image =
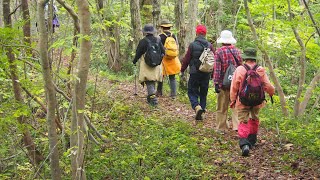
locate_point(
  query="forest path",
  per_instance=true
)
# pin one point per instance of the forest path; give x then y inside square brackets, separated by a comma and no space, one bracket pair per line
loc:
[267,160]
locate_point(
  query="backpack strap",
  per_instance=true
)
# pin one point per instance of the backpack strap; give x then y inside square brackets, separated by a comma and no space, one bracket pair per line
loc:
[236,59]
[246,66]
[255,67]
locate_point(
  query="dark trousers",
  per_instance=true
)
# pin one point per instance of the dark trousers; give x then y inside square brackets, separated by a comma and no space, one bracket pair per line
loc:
[198,85]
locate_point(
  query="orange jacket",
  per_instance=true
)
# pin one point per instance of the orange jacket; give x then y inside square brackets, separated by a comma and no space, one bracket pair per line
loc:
[238,78]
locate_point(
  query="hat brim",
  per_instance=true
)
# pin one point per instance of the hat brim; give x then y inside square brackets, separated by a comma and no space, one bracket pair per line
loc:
[166,25]
[244,57]
[149,32]
[226,40]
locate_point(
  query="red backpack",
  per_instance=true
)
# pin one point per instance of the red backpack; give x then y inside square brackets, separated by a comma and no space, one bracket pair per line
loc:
[251,92]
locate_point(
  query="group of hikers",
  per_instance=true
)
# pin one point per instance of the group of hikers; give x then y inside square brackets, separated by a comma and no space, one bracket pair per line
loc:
[238,81]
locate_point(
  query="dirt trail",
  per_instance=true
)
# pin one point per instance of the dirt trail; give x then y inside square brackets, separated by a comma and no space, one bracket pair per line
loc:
[267,160]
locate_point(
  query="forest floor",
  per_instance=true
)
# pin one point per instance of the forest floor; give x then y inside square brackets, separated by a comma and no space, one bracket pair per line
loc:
[269,159]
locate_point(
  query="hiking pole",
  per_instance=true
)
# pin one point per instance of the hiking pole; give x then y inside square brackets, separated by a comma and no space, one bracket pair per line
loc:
[135,80]
[277,125]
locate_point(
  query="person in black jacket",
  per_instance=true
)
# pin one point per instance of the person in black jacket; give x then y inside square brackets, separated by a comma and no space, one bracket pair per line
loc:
[149,75]
[198,83]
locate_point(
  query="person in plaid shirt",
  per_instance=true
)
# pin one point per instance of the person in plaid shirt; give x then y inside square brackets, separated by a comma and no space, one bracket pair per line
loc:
[223,56]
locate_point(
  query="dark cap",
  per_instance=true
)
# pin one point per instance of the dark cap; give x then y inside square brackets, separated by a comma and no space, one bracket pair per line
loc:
[149,29]
[249,53]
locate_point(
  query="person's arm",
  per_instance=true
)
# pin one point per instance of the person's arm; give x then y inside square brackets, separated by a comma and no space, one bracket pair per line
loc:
[141,49]
[267,86]
[217,68]
[162,48]
[235,85]
[186,60]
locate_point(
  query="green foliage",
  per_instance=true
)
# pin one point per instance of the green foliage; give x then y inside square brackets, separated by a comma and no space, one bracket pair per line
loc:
[147,147]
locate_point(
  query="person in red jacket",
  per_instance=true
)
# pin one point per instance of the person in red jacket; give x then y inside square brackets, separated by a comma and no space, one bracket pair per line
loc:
[247,115]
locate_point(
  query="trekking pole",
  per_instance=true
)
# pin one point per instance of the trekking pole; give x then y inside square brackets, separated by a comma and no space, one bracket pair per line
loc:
[135,80]
[277,125]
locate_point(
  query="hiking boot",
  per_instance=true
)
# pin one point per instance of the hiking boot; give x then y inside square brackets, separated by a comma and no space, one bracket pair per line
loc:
[252,138]
[245,150]
[159,93]
[152,100]
[199,112]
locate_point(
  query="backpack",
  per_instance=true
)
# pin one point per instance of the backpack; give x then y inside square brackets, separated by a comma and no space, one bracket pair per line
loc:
[171,47]
[251,92]
[153,56]
[206,59]
[227,78]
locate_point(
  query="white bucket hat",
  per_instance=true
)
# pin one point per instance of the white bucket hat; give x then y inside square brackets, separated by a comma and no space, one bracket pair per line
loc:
[226,37]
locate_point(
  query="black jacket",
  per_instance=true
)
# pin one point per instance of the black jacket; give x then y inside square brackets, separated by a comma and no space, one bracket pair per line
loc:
[142,46]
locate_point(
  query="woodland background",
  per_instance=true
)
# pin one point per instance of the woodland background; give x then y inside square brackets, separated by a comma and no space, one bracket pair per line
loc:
[63,115]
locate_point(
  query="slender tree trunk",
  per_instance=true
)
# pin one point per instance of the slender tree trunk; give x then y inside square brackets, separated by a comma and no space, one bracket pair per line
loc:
[180,24]
[156,5]
[26,26]
[34,155]
[311,17]
[268,62]
[192,20]
[1,13]
[76,30]
[219,15]
[135,22]
[50,93]
[310,89]
[78,131]
[302,62]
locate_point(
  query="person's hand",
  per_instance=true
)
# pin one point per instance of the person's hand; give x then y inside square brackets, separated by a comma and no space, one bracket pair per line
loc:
[232,104]
[182,77]
[216,88]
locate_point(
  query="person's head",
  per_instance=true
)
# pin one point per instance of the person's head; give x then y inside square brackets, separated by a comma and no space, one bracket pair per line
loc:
[149,29]
[201,30]
[249,54]
[166,25]
[226,38]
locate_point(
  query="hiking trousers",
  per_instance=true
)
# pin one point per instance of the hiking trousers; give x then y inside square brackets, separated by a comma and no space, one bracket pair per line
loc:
[173,86]
[198,85]
[223,102]
[151,98]
[249,125]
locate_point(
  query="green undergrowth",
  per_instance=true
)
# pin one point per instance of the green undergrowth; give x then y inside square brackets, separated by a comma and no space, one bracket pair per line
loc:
[147,148]
[302,131]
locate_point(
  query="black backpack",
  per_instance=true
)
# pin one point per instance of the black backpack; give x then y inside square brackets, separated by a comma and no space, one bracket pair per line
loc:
[153,55]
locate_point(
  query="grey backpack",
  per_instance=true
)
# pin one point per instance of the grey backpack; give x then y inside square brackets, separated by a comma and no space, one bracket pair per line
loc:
[227,78]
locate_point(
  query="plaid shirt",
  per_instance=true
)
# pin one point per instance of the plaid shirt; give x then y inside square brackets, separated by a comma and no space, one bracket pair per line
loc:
[222,58]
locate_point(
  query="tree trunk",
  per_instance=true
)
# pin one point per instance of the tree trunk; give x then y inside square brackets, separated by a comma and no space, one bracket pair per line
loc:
[302,64]
[78,131]
[268,62]
[192,20]
[1,13]
[34,155]
[50,93]
[156,5]
[219,16]
[76,30]
[26,26]
[180,24]
[135,22]
[313,84]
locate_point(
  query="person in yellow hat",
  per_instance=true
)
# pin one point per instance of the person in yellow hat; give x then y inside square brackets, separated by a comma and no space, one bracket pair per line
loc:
[170,62]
